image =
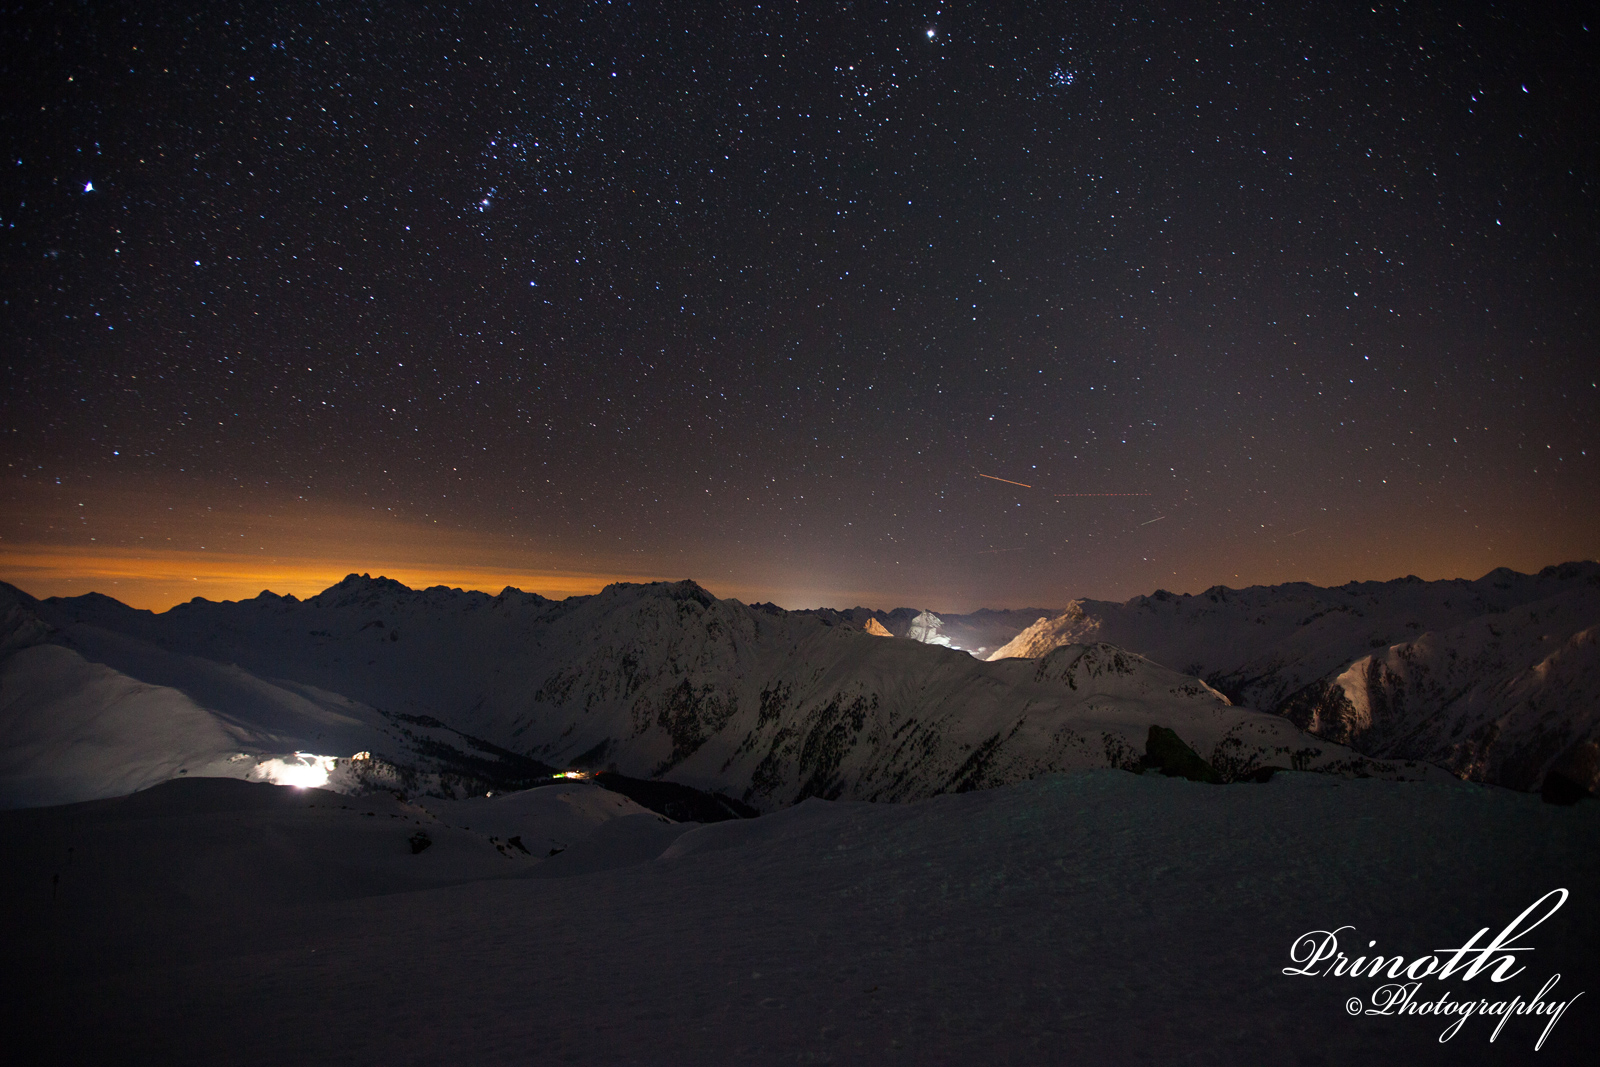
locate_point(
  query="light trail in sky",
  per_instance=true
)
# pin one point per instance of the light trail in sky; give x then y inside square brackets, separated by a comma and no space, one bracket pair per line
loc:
[1025,485]
[1056,495]
[1008,481]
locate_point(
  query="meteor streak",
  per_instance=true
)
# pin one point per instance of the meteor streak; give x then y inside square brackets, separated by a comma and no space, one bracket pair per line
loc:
[1025,485]
[1008,481]
[1152,520]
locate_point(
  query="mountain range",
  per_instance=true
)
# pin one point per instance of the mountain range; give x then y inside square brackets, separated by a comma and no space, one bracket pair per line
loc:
[1497,679]
[449,692]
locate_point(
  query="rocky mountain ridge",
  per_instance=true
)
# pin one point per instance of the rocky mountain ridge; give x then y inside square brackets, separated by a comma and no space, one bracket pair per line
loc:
[657,681]
[1497,679]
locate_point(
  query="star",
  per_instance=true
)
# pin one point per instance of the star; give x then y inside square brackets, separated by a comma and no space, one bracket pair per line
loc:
[832,246]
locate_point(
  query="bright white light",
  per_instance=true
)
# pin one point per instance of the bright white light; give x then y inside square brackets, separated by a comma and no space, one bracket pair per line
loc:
[301,770]
[931,32]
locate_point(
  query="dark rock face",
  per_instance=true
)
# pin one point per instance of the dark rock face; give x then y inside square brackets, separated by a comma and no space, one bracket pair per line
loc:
[419,842]
[1573,776]
[1165,752]
[680,803]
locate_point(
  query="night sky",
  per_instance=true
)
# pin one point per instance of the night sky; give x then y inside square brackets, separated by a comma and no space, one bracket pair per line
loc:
[769,296]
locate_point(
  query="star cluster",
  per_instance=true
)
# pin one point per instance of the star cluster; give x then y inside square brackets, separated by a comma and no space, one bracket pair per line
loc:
[754,293]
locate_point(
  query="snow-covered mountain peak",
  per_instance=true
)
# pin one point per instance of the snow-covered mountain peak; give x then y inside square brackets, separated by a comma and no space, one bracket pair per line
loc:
[683,589]
[1491,677]
[365,590]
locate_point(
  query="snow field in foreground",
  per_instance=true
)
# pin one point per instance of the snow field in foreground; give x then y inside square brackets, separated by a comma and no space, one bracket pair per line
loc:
[1099,917]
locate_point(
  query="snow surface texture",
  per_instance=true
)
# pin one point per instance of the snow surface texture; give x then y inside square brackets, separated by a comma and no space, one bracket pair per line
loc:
[1098,918]
[547,820]
[654,681]
[1495,679]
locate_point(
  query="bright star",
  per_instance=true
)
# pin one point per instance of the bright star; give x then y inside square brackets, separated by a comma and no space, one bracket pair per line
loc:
[931,32]
[88,187]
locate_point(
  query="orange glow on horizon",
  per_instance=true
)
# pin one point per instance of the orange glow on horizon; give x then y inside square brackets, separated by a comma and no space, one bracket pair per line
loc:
[157,580]
[152,546]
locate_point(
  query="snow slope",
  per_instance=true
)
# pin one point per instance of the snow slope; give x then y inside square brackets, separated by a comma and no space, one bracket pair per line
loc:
[94,713]
[544,822]
[1494,678]
[72,730]
[1101,917]
[664,681]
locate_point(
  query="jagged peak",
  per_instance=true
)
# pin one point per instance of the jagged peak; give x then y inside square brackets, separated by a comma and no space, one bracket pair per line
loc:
[367,581]
[684,589]
[355,587]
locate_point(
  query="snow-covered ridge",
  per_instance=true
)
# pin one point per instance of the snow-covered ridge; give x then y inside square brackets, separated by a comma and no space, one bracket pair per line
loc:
[654,681]
[1497,679]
